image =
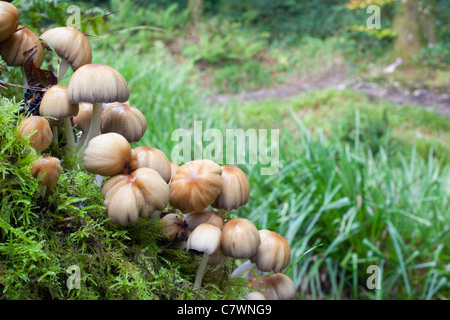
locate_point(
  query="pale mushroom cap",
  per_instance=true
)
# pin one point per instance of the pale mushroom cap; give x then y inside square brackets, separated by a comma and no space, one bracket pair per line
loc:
[204,238]
[273,253]
[276,286]
[56,104]
[193,219]
[195,185]
[83,118]
[97,83]
[49,168]
[70,44]
[42,138]
[109,154]
[150,157]
[124,119]
[21,40]
[174,167]
[235,190]
[128,197]
[254,295]
[174,227]
[9,20]
[240,238]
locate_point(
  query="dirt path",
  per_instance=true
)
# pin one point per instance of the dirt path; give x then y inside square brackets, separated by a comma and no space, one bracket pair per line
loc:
[339,80]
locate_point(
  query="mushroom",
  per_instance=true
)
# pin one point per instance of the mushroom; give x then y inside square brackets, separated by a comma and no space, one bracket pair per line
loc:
[273,254]
[56,104]
[254,295]
[193,219]
[240,239]
[71,45]
[123,119]
[49,169]
[195,185]
[9,20]
[39,132]
[174,167]
[21,40]
[150,157]
[82,121]
[109,154]
[205,239]
[133,196]
[97,84]
[275,286]
[235,190]
[174,228]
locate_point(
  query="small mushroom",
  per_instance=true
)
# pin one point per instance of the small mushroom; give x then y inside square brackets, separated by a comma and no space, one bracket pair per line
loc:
[109,154]
[71,45]
[82,121]
[174,167]
[133,196]
[273,254]
[49,169]
[240,239]
[55,104]
[174,228]
[195,185]
[42,136]
[235,190]
[97,84]
[124,119]
[9,20]
[254,295]
[193,219]
[276,286]
[205,239]
[150,157]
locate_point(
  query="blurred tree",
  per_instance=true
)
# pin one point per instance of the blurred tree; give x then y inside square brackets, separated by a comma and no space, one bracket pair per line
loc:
[195,8]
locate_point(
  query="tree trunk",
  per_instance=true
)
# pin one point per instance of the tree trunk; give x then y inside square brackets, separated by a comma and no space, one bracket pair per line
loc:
[195,8]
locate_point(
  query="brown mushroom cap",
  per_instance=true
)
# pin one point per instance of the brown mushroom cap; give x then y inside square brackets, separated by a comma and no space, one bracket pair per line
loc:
[193,219]
[56,104]
[9,20]
[273,253]
[240,238]
[174,167]
[70,44]
[276,286]
[42,138]
[109,154]
[195,185]
[174,227]
[124,119]
[82,120]
[21,40]
[150,157]
[97,83]
[139,194]
[235,190]
[49,168]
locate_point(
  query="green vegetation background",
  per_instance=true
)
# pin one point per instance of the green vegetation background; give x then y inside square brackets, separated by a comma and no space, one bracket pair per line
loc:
[362,182]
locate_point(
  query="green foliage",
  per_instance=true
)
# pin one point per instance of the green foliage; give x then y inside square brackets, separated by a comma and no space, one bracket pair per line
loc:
[434,56]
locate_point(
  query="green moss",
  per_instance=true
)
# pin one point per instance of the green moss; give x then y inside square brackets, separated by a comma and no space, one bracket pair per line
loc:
[40,238]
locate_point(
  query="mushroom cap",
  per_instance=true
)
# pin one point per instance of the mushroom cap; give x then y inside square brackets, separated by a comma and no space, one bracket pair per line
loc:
[9,20]
[56,104]
[240,238]
[193,219]
[49,168]
[83,118]
[195,185]
[150,157]
[21,40]
[109,154]
[235,190]
[174,167]
[124,119]
[174,227]
[273,253]
[275,286]
[204,238]
[43,136]
[139,194]
[97,83]
[254,295]
[70,44]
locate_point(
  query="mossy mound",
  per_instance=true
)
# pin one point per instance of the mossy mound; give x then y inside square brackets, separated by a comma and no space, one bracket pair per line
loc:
[40,238]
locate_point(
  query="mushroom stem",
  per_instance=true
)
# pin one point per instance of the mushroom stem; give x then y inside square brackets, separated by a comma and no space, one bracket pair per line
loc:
[99,180]
[82,139]
[63,67]
[69,132]
[239,271]
[201,270]
[96,120]
[55,133]
[42,190]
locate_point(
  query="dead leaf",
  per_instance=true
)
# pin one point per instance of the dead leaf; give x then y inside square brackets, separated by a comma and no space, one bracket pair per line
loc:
[34,74]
